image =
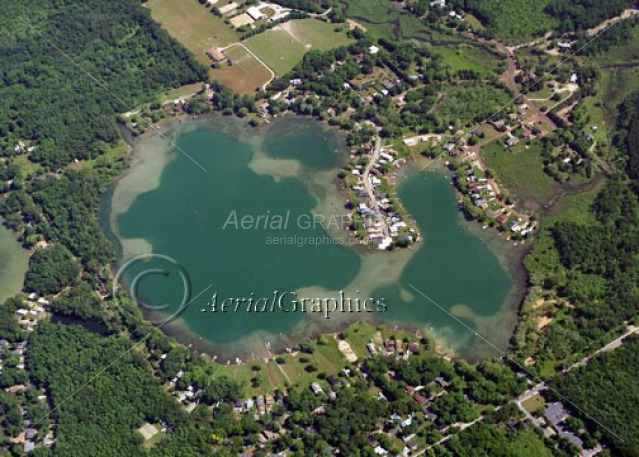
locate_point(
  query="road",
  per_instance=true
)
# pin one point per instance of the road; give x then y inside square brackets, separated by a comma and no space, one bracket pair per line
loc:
[540,387]
[369,186]
[256,58]
[509,79]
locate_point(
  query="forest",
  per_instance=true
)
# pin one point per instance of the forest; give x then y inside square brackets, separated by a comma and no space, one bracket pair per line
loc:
[89,60]
[516,21]
[606,392]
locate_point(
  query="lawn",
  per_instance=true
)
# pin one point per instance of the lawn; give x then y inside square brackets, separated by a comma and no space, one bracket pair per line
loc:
[521,170]
[278,49]
[528,443]
[533,403]
[192,25]
[244,75]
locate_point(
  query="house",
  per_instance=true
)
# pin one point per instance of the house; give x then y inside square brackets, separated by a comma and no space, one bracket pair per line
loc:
[227,8]
[420,399]
[279,16]
[428,415]
[500,124]
[511,141]
[380,450]
[216,55]
[255,13]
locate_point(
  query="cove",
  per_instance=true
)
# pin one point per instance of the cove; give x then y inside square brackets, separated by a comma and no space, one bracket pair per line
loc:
[284,175]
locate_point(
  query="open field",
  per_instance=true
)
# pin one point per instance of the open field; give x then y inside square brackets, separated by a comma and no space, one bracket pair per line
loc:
[382,18]
[244,75]
[521,170]
[468,58]
[314,34]
[283,46]
[192,25]
[183,91]
[278,49]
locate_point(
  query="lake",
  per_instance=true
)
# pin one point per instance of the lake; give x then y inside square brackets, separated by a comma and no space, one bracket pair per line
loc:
[260,234]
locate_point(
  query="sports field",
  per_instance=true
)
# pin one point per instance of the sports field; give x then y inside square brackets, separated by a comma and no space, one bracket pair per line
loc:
[278,49]
[244,75]
[314,34]
[283,46]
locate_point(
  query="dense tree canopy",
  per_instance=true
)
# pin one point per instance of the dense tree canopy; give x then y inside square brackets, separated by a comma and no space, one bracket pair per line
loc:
[51,270]
[45,66]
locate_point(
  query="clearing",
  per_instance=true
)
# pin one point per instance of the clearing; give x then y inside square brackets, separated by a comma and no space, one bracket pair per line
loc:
[244,74]
[283,46]
[522,172]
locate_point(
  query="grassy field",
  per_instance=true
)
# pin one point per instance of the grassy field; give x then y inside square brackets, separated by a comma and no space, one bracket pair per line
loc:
[192,25]
[278,49]
[382,18]
[283,47]
[244,75]
[521,170]
[528,443]
[314,34]
[465,57]
[534,403]
[183,91]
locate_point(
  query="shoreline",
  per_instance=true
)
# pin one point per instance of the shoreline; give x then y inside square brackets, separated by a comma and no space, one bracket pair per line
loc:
[308,328]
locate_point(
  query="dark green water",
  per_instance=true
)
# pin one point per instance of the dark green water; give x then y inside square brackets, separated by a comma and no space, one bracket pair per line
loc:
[184,218]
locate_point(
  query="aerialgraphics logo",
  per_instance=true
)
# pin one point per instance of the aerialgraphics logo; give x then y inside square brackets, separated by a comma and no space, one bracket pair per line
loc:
[134,271]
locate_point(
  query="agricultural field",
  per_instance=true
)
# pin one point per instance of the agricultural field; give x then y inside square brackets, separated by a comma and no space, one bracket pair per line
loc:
[244,74]
[522,171]
[192,25]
